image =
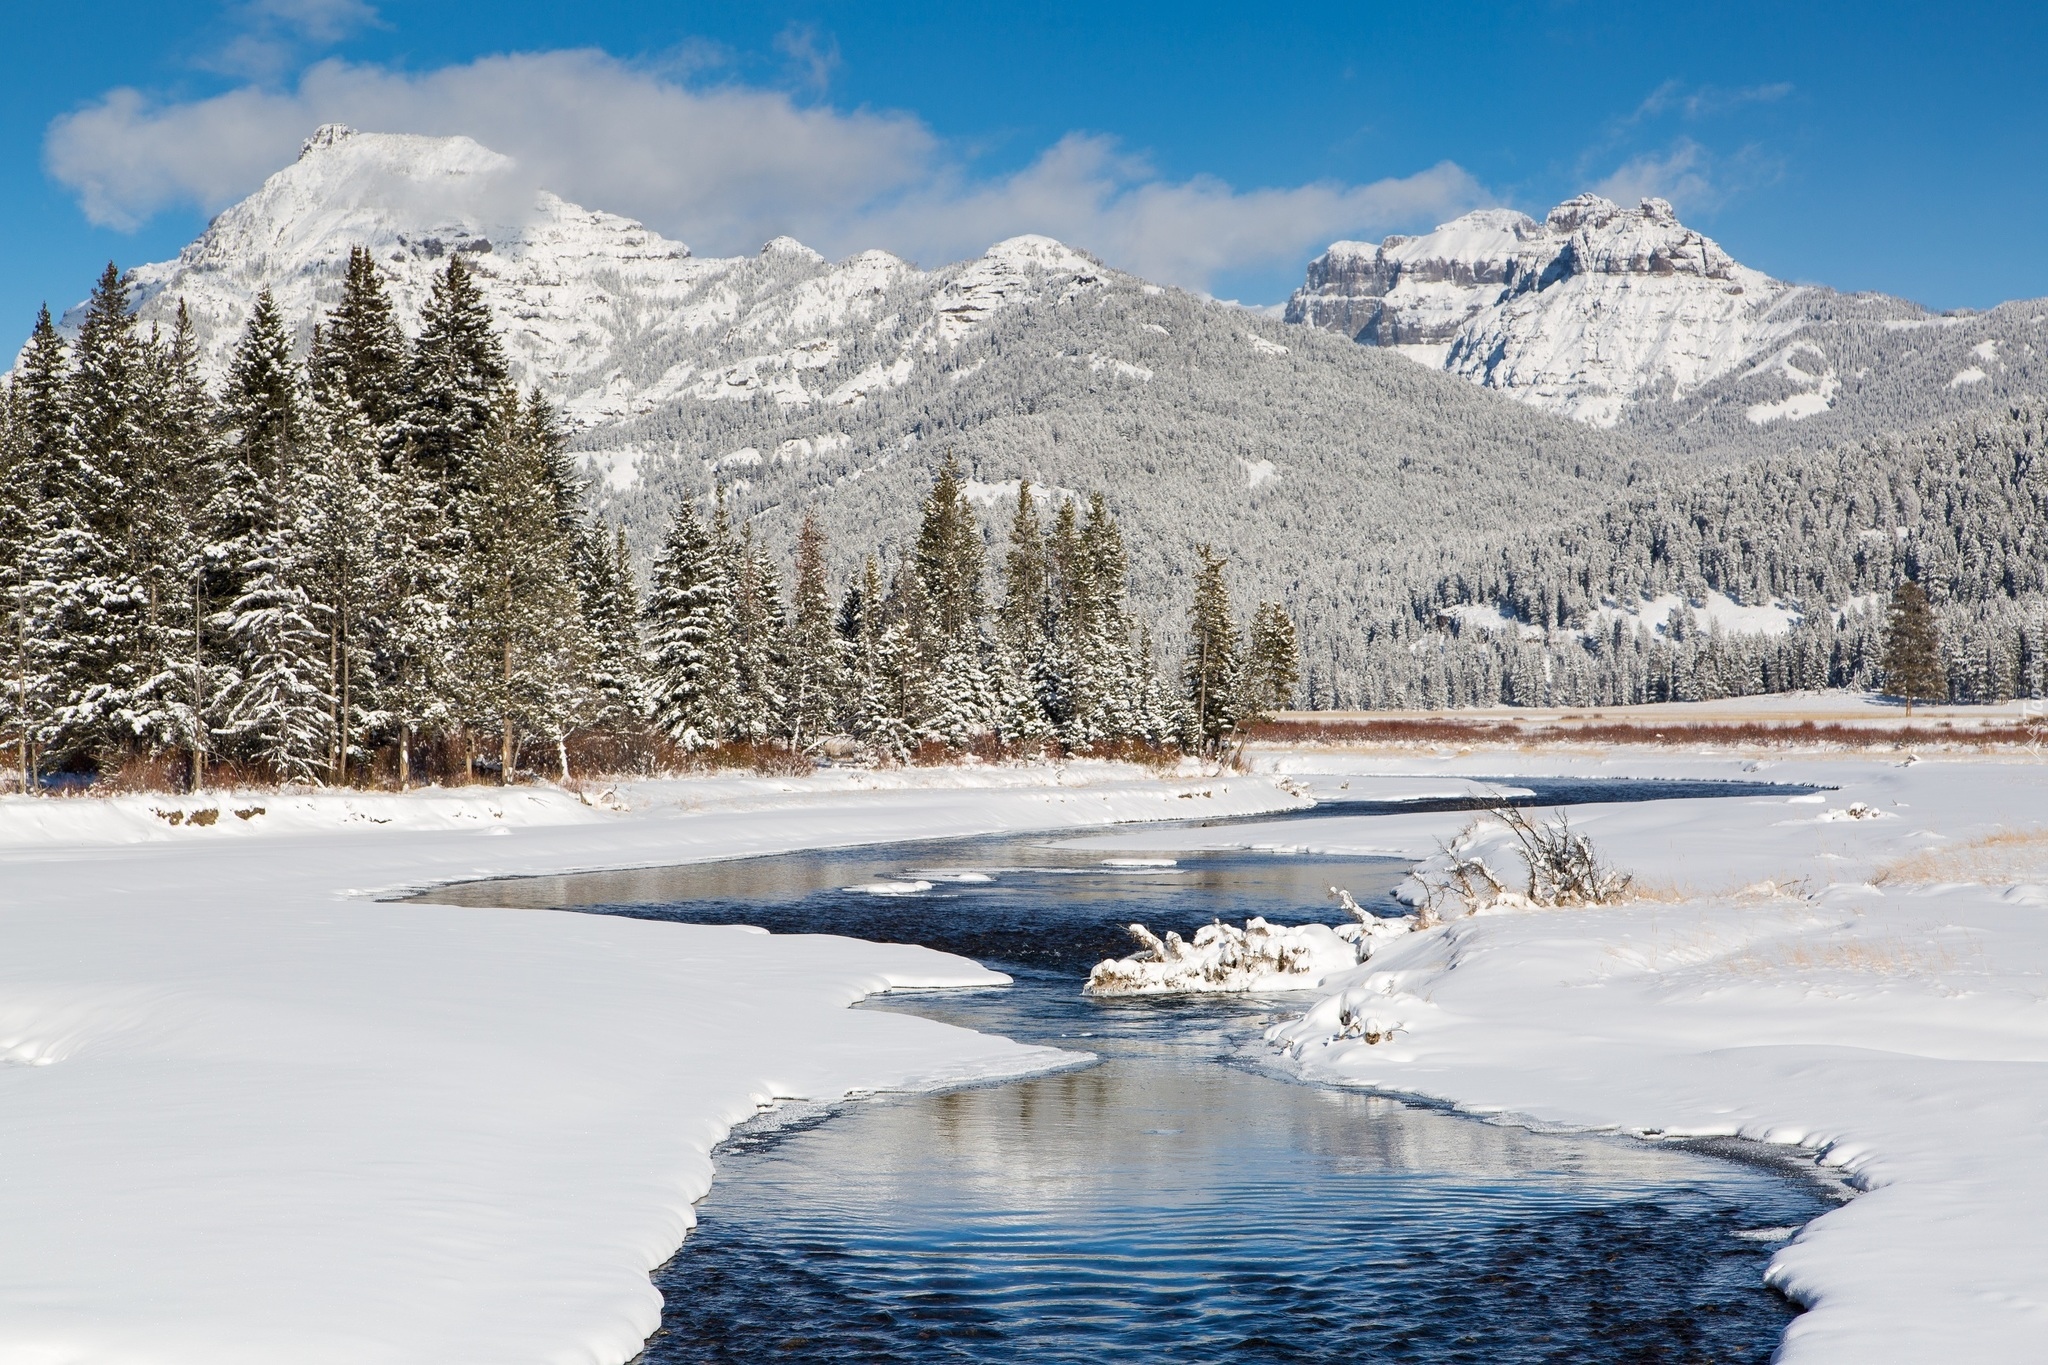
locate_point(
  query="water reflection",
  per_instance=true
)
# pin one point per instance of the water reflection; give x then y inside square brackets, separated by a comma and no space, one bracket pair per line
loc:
[1173,1201]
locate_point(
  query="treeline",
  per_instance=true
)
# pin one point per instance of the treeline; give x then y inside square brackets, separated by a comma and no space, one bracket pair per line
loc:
[1961,510]
[375,563]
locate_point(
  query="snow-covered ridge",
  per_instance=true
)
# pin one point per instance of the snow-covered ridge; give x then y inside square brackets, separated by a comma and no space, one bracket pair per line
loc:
[608,317]
[1581,313]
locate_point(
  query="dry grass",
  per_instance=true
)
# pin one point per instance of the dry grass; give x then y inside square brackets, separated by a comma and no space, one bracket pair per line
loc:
[1884,957]
[2015,855]
[1438,730]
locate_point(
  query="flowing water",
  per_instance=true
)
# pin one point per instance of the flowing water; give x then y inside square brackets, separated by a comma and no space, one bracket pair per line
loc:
[1177,1199]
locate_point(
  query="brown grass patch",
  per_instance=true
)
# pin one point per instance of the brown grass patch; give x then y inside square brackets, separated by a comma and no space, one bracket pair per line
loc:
[1436,730]
[2014,855]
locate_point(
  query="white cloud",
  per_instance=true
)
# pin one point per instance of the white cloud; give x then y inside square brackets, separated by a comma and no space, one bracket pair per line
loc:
[1705,101]
[725,167]
[1694,179]
[1083,191]
[270,35]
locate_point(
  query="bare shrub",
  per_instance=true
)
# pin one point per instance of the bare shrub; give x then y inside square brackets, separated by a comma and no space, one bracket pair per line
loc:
[1563,868]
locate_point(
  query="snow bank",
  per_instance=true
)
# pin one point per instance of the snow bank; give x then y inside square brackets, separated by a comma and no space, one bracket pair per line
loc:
[248,1115]
[1794,972]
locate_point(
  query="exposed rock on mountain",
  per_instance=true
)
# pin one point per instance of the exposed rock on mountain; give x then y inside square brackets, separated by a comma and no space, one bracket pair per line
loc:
[1579,313]
[1615,315]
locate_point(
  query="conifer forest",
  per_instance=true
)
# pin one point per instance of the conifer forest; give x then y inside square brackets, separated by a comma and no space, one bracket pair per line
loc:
[374,564]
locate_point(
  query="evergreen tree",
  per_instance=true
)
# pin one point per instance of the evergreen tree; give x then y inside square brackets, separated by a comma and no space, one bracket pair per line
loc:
[813,662]
[31,456]
[453,378]
[363,359]
[1100,700]
[611,613]
[757,640]
[276,709]
[343,532]
[543,427]
[412,634]
[523,646]
[942,620]
[1912,649]
[689,634]
[1273,662]
[1021,676]
[948,556]
[1024,621]
[863,706]
[97,597]
[176,674]
[1210,675]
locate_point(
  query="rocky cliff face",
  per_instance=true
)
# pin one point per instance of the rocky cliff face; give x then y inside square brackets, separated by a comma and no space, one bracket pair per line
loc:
[1625,316]
[1581,313]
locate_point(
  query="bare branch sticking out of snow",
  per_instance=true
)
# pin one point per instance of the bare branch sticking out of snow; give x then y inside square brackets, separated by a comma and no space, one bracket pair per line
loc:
[1258,957]
[1562,870]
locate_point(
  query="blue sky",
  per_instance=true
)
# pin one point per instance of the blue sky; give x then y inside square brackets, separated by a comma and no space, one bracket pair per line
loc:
[1873,146]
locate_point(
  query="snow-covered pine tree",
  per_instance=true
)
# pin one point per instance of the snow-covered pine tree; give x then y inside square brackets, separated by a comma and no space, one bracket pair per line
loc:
[1210,674]
[1101,686]
[813,657]
[98,596]
[276,712]
[611,614]
[364,355]
[170,705]
[948,626]
[542,426]
[757,640]
[412,634]
[1066,633]
[689,634]
[453,378]
[524,651]
[1913,667]
[906,677]
[863,703]
[1272,662]
[345,500]
[1020,674]
[1024,618]
[35,435]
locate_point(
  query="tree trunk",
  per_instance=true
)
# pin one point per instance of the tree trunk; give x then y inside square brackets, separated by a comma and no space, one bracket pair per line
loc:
[198,692]
[405,758]
[505,743]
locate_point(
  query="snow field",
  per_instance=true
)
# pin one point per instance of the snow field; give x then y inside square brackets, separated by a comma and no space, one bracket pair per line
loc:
[248,1114]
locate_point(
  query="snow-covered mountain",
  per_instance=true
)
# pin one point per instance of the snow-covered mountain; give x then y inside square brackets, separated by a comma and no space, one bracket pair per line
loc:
[612,319]
[1341,479]
[1615,315]
[1334,475]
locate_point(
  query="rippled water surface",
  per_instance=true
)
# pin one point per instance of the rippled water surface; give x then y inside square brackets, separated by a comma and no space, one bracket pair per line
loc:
[1174,1200]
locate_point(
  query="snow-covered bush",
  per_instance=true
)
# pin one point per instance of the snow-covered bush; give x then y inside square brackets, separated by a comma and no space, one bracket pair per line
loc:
[1260,956]
[1562,869]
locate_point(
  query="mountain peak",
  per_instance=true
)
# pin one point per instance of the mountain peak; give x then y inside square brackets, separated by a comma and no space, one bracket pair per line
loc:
[326,135]
[790,246]
[1581,313]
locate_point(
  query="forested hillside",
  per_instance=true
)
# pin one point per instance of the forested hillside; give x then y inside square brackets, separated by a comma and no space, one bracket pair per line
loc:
[1819,537]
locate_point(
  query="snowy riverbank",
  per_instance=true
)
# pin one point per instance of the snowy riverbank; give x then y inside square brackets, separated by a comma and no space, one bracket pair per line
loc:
[1862,972]
[249,1114]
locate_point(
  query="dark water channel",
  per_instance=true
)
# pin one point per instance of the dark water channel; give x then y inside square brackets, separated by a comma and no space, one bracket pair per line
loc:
[1176,1200]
